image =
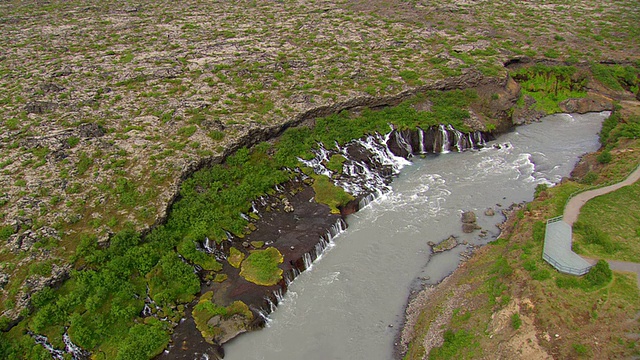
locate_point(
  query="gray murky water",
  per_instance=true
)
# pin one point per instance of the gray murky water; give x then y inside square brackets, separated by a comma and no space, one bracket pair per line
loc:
[350,305]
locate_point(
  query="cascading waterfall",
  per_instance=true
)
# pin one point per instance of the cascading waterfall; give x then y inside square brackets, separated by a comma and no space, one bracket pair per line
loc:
[406,145]
[445,139]
[457,137]
[368,167]
[44,341]
[370,162]
[76,352]
[308,258]
[421,141]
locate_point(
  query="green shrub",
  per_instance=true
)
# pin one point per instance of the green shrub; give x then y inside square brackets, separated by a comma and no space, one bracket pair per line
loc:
[589,178]
[216,135]
[540,188]
[455,344]
[550,85]
[73,141]
[608,125]
[539,229]
[144,341]
[5,232]
[516,322]
[600,274]
[187,131]
[541,275]
[604,157]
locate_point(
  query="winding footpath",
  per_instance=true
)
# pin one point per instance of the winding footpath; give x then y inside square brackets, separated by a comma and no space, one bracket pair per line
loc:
[572,210]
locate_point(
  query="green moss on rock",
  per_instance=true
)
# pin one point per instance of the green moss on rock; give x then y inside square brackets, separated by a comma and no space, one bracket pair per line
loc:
[261,267]
[329,194]
[235,257]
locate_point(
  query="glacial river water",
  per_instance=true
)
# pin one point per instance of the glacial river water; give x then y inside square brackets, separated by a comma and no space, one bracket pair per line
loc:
[350,304]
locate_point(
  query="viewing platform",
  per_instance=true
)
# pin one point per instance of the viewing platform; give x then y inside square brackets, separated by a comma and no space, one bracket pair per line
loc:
[557,249]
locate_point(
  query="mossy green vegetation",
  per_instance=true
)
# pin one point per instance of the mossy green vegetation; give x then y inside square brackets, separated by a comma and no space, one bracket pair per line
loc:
[329,194]
[261,267]
[457,345]
[335,163]
[617,77]
[235,257]
[550,85]
[206,310]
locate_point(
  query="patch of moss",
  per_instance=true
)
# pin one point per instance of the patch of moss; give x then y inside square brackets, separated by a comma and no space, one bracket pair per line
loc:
[335,163]
[220,278]
[261,267]
[257,244]
[329,194]
[235,257]
[205,310]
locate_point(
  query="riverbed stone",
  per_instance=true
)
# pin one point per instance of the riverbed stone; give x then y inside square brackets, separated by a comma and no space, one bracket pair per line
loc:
[448,244]
[489,212]
[469,217]
[468,228]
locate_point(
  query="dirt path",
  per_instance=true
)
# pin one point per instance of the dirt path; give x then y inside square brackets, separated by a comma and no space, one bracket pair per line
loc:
[572,210]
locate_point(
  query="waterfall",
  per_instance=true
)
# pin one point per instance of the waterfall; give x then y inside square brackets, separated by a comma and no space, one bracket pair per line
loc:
[207,246]
[457,138]
[404,143]
[423,150]
[445,140]
[74,350]
[308,262]
[44,341]
[318,161]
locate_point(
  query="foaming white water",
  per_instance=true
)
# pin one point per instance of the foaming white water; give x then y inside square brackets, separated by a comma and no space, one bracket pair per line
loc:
[342,309]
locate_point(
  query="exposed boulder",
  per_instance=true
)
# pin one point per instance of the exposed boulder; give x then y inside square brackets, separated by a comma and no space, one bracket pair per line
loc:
[90,130]
[469,217]
[469,222]
[591,103]
[489,212]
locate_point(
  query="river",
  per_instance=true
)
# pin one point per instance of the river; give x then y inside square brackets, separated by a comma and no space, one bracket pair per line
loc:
[350,304]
